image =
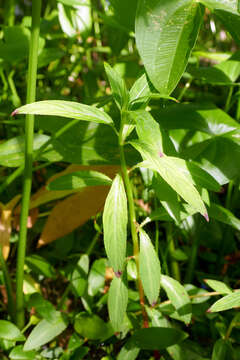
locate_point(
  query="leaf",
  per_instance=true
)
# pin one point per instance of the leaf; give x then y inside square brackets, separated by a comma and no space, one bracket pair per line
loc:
[76,19]
[69,109]
[79,275]
[149,268]
[40,265]
[117,302]
[157,338]
[48,55]
[9,331]
[140,93]
[222,350]
[168,168]
[201,117]
[115,218]
[219,213]
[166,32]
[78,180]
[45,331]
[18,354]
[43,307]
[118,86]
[178,296]
[129,351]
[119,7]
[74,209]
[91,327]
[227,302]
[218,286]
[227,5]
[96,279]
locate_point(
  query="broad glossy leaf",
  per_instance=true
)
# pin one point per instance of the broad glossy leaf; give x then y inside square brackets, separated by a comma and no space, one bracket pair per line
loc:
[18,354]
[117,302]
[90,326]
[166,32]
[227,302]
[9,331]
[218,286]
[75,19]
[227,5]
[118,86]
[169,169]
[201,117]
[178,296]
[45,331]
[218,156]
[79,275]
[222,350]
[78,180]
[157,338]
[219,213]
[69,109]
[115,218]
[149,267]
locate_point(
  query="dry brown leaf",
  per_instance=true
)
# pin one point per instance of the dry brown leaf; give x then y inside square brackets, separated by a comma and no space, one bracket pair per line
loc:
[75,210]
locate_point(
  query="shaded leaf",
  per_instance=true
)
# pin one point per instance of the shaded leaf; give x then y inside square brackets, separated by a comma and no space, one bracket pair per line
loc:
[115,218]
[222,350]
[178,296]
[149,268]
[68,109]
[219,213]
[157,338]
[9,331]
[91,326]
[18,354]
[117,302]
[79,275]
[129,351]
[166,32]
[45,331]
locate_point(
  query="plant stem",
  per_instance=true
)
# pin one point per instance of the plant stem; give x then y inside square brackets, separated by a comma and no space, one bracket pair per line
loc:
[10,12]
[8,285]
[174,264]
[229,98]
[133,223]
[29,133]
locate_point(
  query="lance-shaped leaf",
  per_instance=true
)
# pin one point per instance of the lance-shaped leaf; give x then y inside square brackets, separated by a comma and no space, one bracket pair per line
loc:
[117,302]
[166,32]
[118,86]
[169,169]
[115,217]
[223,215]
[222,350]
[178,296]
[219,286]
[69,109]
[227,302]
[78,180]
[149,267]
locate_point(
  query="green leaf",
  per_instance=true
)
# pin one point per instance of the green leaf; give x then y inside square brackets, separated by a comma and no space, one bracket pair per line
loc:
[79,275]
[178,296]
[117,302]
[227,5]
[173,171]
[227,302]
[43,307]
[69,109]
[78,180]
[157,338]
[39,265]
[201,117]
[96,279]
[166,32]
[140,93]
[115,218]
[129,351]
[222,350]
[119,7]
[45,331]
[91,327]
[18,354]
[118,86]
[149,268]
[48,55]
[219,213]
[218,286]
[9,331]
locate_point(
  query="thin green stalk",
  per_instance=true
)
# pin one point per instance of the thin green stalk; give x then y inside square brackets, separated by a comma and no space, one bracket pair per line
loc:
[8,285]
[10,12]
[229,98]
[192,260]
[29,134]
[234,322]
[133,222]
[15,97]
[173,263]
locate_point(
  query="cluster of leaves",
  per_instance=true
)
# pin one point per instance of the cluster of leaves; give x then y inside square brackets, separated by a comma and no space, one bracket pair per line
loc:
[156,147]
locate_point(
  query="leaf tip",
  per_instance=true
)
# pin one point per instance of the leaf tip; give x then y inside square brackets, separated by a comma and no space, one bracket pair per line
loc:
[206,217]
[154,303]
[209,311]
[161,154]
[118,273]
[15,112]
